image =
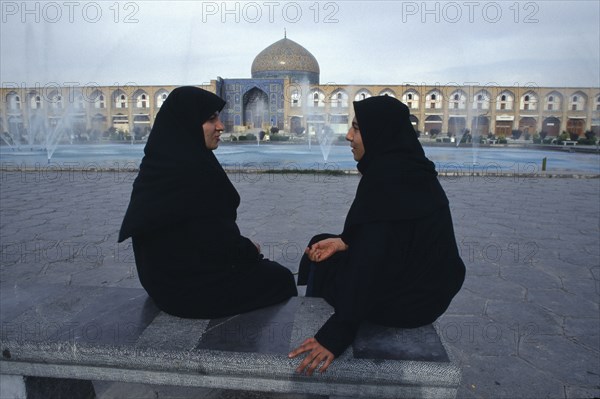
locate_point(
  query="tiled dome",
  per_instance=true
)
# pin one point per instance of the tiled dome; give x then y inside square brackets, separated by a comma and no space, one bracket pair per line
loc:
[284,57]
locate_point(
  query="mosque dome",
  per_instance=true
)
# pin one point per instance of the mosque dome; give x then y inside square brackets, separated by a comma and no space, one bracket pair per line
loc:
[286,58]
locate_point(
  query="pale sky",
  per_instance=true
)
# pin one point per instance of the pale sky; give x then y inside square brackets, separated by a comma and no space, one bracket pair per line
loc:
[539,43]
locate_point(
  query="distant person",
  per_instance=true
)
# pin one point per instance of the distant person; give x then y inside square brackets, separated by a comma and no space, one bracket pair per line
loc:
[396,263]
[189,253]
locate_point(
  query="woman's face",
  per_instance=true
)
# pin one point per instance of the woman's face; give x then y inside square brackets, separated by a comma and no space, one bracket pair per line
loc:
[355,139]
[213,128]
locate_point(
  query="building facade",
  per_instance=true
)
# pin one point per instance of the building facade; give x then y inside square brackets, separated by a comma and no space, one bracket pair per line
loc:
[284,92]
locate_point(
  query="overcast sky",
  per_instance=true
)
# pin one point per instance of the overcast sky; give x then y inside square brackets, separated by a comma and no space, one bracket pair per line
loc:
[544,43]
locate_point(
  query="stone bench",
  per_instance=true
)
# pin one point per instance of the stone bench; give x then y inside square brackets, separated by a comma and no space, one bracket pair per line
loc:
[58,339]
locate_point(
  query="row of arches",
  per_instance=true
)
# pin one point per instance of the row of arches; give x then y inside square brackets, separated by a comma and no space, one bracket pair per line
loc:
[434,99]
[77,126]
[458,99]
[481,125]
[78,100]
[433,124]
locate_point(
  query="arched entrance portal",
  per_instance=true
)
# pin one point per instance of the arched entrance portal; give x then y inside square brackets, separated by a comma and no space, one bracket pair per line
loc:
[296,125]
[456,126]
[551,126]
[503,128]
[480,126]
[527,125]
[576,126]
[256,108]
[16,129]
[433,125]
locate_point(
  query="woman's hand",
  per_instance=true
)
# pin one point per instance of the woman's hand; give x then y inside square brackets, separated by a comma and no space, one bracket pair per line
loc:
[324,249]
[317,354]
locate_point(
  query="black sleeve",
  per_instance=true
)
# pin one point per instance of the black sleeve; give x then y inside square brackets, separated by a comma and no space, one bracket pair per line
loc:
[367,252]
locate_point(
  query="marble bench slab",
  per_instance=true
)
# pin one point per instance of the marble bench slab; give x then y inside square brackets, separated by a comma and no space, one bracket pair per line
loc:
[118,334]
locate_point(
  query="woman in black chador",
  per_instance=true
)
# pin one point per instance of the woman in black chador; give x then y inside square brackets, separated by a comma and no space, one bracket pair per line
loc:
[190,255]
[396,262]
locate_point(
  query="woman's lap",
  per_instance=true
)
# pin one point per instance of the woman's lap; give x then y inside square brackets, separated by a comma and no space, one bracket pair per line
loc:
[264,284]
[260,285]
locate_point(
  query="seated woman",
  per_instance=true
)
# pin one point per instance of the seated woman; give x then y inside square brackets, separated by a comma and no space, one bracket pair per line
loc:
[396,262]
[190,255]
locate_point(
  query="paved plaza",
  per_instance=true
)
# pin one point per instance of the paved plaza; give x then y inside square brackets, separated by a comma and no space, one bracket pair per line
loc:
[525,324]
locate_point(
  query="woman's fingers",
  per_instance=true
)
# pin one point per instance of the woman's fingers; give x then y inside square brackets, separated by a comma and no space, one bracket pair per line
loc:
[304,347]
[317,355]
[320,251]
[325,366]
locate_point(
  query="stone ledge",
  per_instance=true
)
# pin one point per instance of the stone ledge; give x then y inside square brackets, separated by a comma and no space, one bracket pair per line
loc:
[246,352]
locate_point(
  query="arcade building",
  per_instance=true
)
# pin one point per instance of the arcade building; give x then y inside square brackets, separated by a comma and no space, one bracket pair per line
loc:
[285,92]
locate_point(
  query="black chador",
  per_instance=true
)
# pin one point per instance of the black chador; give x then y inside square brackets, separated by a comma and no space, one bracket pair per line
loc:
[190,255]
[402,266]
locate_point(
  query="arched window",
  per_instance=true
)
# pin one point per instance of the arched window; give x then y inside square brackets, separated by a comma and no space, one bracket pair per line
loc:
[295,99]
[36,102]
[317,99]
[434,100]
[122,101]
[161,96]
[481,100]
[339,99]
[505,101]
[362,94]
[553,101]
[411,99]
[458,100]
[578,102]
[141,99]
[14,102]
[529,102]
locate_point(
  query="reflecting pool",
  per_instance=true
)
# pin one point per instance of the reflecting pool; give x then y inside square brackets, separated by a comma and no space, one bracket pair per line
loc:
[299,156]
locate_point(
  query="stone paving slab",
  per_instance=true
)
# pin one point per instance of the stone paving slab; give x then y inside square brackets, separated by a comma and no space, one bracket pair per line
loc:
[526,323]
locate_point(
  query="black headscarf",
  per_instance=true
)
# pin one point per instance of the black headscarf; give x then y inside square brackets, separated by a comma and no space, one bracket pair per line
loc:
[179,177]
[398,182]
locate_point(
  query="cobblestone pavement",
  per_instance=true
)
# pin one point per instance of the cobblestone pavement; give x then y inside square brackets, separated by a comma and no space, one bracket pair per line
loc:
[526,323]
